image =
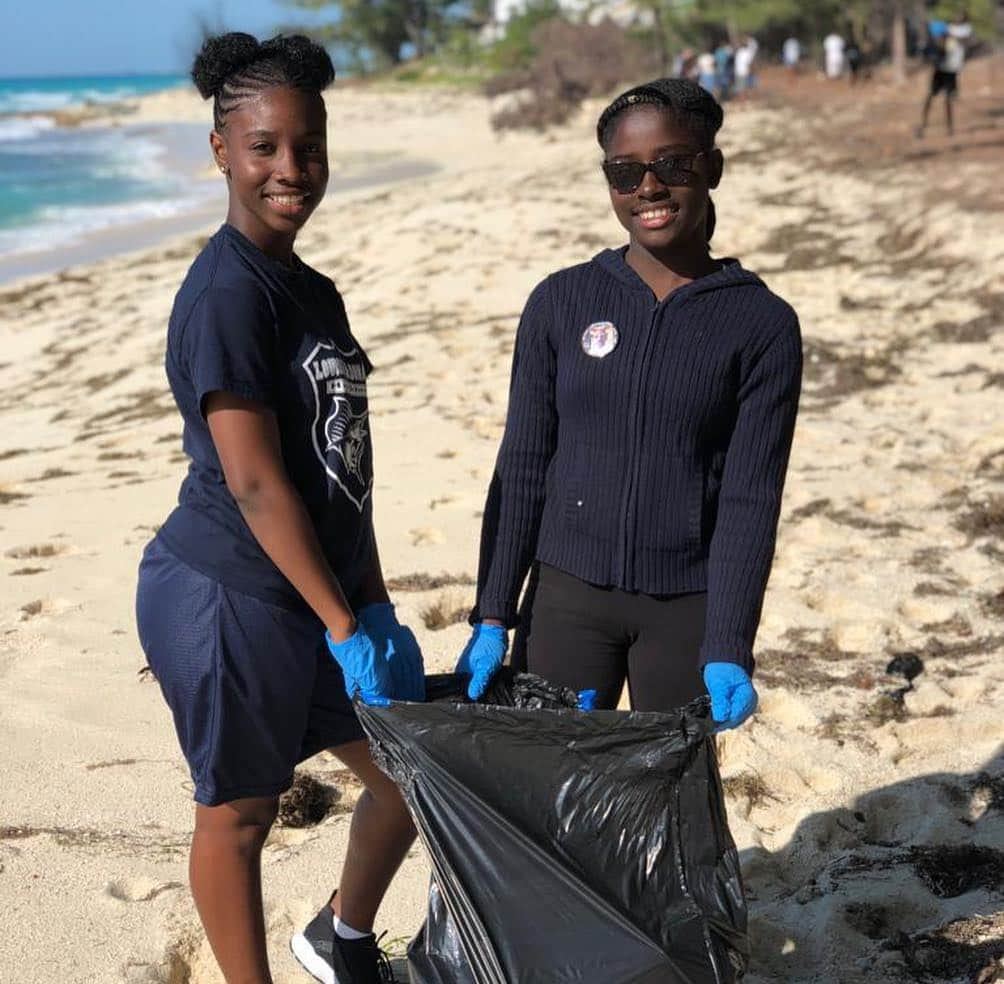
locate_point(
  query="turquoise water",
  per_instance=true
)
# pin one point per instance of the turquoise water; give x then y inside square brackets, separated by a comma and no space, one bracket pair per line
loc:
[58,184]
[39,95]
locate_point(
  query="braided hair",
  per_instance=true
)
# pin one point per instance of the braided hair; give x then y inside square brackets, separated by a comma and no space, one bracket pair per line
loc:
[232,67]
[687,103]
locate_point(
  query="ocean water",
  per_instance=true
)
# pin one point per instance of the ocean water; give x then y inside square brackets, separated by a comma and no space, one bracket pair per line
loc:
[60,184]
[40,95]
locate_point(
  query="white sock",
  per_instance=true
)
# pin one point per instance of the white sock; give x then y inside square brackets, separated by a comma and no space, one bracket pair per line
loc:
[345,931]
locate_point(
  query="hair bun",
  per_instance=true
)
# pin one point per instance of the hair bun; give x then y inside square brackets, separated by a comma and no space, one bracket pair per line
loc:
[220,57]
[303,58]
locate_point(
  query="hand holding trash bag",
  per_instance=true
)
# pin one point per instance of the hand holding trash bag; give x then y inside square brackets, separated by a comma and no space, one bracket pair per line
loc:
[483,656]
[398,645]
[365,669]
[733,698]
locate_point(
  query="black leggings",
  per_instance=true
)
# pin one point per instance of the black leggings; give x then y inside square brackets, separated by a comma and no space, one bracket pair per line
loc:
[579,635]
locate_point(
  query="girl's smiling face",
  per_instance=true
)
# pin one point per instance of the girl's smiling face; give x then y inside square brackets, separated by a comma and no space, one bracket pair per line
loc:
[661,217]
[274,150]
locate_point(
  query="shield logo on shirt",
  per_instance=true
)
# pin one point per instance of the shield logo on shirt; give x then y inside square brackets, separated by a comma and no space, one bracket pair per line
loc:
[340,428]
[600,339]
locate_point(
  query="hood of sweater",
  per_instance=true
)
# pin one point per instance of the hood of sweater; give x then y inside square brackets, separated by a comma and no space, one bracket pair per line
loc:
[730,274]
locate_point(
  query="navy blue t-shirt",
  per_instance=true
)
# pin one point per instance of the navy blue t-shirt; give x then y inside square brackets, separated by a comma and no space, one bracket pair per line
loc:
[243,323]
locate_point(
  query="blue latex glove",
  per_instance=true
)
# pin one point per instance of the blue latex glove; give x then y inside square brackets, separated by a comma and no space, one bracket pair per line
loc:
[733,698]
[398,645]
[483,656]
[366,671]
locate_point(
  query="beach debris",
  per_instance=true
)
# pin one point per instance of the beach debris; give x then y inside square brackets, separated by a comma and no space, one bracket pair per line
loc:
[993,604]
[306,803]
[749,786]
[988,792]
[7,495]
[888,706]
[422,581]
[983,518]
[978,329]
[868,919]
[950,870]
[957,625]
[37,550]
[969,949]
[845,517]
[833,373]
[982,645]
[797,667]
[907,665]
[444,612]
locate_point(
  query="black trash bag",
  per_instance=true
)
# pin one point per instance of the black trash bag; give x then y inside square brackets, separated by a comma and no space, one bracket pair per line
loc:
[566,845]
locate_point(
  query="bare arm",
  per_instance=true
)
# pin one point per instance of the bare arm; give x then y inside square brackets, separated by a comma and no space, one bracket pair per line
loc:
[246,436]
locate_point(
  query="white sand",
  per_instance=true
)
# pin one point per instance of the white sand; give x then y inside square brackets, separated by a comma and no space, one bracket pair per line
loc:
[435,271]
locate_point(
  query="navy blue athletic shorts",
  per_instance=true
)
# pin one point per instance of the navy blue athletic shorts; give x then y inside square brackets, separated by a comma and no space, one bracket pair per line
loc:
[251,685]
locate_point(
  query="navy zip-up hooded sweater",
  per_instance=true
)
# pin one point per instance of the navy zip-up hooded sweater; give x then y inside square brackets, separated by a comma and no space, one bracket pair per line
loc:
[658,467]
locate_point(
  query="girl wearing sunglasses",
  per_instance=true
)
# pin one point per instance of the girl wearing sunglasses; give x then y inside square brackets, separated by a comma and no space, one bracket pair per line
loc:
[652,404]
[261,604]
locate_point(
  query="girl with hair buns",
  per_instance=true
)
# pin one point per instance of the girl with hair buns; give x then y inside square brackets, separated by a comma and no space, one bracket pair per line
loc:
[652,404]
[261,605]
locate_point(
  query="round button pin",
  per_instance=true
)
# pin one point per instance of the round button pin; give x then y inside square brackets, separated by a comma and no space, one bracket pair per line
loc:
[600,339]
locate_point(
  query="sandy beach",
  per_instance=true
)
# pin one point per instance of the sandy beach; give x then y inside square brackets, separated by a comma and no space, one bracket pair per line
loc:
[868,808]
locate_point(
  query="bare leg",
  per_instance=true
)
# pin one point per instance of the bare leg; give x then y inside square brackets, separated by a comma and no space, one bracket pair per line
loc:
[923,120]
[225,873]
[381,833]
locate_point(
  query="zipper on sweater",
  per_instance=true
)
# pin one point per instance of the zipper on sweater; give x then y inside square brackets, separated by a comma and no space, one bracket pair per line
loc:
[629,518]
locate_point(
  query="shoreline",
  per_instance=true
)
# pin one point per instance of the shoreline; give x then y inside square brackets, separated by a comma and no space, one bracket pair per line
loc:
[183,147]
[145,235]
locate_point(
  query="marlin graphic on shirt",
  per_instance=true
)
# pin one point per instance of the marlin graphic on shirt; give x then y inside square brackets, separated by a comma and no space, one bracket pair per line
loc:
[340,428]
[346,434]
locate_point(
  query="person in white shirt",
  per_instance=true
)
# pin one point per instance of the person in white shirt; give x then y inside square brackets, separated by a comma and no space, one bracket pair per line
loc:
[833,55]
[791,53]
[745,54]
[706,71]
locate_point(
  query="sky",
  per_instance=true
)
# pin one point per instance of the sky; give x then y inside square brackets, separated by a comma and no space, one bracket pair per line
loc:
[111,37]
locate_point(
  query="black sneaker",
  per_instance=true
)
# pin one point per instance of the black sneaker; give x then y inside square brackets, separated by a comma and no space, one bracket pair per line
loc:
[333,960]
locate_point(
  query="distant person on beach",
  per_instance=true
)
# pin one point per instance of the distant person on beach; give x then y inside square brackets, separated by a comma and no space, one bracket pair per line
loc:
[685,64]
[852,55]
[261,605]
[652,402]
[833,55]
[724,69]
[934,44]
[706,77]
[950,41]
[791,54]
[744,60]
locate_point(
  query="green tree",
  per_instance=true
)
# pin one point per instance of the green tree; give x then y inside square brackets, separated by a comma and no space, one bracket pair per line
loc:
[378,33]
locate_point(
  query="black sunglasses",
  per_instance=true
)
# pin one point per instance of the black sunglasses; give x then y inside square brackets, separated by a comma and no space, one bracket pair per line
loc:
[625,176]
